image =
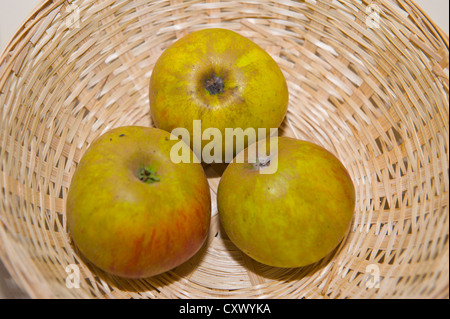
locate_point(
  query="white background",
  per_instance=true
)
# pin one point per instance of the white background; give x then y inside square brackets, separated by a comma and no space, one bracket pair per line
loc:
[14,12]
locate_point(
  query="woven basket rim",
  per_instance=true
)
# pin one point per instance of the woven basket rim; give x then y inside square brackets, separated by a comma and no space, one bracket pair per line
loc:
[13,48]
[44,3]
[444,36]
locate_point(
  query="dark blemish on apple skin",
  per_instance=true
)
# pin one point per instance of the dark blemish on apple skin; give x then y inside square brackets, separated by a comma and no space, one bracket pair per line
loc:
[110,139]
[121,135]
[166,138]
[237,95]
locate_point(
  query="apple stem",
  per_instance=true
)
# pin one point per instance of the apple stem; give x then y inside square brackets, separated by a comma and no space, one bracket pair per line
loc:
[214,85]
[147,175]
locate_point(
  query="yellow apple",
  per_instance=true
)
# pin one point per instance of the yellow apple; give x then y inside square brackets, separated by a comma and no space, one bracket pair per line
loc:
[224,80]
[131,211]
[293,216]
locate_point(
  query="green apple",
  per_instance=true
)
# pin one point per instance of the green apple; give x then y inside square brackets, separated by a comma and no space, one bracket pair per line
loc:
[293,216]
[131,211]
[224,80]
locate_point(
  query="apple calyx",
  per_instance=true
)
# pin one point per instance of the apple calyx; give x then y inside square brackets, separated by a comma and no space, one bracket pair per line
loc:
[261,162]
[214,84]
[147,175]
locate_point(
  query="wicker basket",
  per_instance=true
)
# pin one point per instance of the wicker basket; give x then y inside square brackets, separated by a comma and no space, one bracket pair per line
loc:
[368,80]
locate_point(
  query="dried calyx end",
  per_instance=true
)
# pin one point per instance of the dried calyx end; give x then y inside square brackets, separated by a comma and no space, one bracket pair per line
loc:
[214,84]
[147,175]
[262,162]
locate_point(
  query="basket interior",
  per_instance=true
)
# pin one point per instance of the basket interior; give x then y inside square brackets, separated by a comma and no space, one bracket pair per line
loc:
[367,80]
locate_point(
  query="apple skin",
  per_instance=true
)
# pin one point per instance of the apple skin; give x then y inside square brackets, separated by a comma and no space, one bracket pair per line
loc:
[293,217]
[128,227]
[255,93]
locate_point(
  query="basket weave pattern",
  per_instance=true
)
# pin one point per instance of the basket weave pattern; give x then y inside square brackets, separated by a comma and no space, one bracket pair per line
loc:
[367,80]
